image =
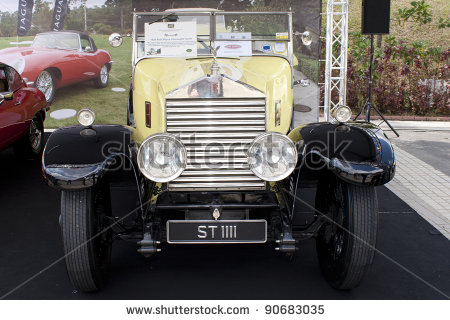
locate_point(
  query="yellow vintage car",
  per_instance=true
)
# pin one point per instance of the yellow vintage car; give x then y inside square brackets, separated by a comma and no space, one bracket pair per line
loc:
[212,155]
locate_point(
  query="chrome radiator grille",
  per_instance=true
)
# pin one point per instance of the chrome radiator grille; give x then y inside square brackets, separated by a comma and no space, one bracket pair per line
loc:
[216,133]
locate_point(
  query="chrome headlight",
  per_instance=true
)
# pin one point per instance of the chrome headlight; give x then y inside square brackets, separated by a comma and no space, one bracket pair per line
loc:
[18,64]
[86,117]
[272,156]
[342,113]
[161,157]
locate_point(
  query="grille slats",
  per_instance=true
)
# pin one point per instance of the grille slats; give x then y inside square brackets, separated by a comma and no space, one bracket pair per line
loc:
[241,185]
[217,141]
[219,110]
[221,172]
[212,166]
[216,102]
[209,179]
[220,122]
[228,129]
[217,134]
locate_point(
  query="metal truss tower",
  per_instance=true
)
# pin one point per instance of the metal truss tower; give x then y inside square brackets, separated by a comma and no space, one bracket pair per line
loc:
[336,56]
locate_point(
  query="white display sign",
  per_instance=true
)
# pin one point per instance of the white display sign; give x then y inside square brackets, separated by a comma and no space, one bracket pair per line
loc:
[234,48]
[171,39]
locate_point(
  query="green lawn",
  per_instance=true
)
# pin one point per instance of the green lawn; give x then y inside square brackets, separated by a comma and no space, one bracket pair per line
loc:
[109,106]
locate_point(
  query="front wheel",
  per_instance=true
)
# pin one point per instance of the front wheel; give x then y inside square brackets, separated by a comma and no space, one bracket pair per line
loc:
[46,84]
[32,143]
[102,80]
[346,242]
[87,244]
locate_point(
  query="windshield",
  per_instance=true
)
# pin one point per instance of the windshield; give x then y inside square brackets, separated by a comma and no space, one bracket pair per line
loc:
[69,41]
[190,34]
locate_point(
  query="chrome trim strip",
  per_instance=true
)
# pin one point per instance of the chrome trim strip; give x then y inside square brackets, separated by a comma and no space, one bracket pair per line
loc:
[219,149]
[221,102]
[223,142]
[249,115]
[210,179]
[250,135]
[224,161]
[217,129]
[196,172]
[214,123]
[216,109]
[200,153]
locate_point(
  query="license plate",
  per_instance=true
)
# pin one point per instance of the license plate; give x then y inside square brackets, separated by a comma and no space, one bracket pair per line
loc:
[220,231]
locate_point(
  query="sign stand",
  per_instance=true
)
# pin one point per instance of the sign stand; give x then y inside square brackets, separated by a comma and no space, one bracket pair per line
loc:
[369,105]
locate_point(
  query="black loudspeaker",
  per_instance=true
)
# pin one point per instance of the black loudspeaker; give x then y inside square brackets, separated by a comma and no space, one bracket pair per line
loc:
[376,16]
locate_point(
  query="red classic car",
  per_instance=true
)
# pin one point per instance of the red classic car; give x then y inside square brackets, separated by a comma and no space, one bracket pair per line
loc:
[57,59]
[22,114]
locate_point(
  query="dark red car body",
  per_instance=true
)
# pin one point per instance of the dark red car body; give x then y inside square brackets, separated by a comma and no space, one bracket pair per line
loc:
[16,113]
[67,66]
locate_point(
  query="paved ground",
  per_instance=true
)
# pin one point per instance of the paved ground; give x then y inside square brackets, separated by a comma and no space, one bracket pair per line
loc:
[306,96]
[423,170]
[413,261]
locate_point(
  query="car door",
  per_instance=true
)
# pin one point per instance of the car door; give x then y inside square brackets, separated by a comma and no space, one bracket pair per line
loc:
[13,124]
[71,61]
[88,55]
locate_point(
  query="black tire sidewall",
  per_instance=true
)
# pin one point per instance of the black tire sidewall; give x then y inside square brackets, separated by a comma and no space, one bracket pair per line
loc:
[95,271]
[338,272]
[335,271]
[99,267]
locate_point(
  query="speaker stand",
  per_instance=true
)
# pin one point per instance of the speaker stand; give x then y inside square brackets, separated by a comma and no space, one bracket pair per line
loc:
[368,106]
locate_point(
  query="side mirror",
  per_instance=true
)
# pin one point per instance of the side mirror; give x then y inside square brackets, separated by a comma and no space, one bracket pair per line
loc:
[88,49]
[115,39]
[305,36]
[7,96]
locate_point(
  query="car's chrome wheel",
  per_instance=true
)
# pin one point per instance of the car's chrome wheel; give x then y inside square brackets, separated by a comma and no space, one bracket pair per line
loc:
[103,77]
[46,85]
[35,136]
[31,145]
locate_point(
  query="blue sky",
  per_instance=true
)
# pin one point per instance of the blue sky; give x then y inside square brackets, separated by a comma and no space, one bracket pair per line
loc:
[12,5]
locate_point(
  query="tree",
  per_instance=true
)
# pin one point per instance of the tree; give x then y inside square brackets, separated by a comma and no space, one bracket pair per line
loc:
[42,16]
[122,5]
[8,24]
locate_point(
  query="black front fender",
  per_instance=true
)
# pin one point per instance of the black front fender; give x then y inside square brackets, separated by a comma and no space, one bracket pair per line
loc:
[357,152]
[77,157]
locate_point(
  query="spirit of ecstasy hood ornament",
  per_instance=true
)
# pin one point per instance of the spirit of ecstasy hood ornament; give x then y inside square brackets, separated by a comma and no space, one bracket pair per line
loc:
[215,68]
